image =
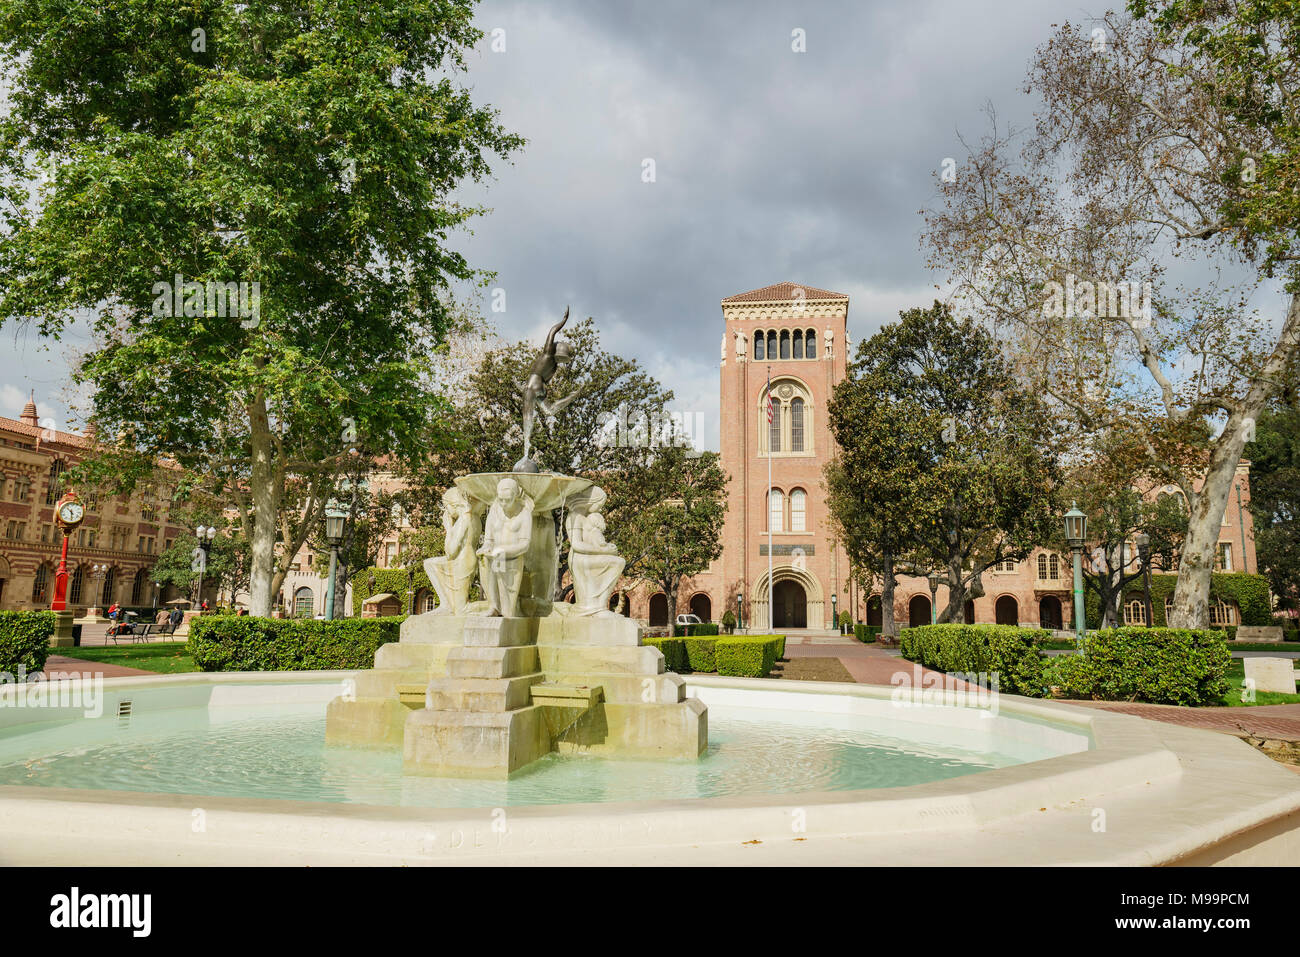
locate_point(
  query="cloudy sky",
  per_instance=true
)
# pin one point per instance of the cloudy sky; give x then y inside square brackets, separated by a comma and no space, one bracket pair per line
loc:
[770,164]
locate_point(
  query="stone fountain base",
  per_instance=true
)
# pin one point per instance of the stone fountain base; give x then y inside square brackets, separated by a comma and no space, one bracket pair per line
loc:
[471,696]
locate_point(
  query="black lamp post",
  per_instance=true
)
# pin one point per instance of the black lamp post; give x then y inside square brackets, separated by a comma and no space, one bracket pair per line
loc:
[740,612]
[205,535]
[157,587]
[835,618]
[1143,542]
[1076,531]
[335,516]
[935,579]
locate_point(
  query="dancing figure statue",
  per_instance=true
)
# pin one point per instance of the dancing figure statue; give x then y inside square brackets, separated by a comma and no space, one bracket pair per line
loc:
[534,390]
[452,573]
[594,564]
[506,537]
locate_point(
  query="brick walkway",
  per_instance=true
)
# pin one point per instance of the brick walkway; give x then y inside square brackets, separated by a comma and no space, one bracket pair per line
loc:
[66,667]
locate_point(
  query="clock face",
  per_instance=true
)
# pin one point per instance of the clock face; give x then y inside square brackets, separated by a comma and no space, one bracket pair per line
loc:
[71,513]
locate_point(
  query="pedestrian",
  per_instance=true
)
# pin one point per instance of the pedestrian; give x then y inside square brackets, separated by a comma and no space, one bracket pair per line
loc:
[113,612]
[176,617]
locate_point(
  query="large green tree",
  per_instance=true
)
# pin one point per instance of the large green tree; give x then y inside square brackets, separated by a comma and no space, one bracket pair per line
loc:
[310,148]
[1275,497]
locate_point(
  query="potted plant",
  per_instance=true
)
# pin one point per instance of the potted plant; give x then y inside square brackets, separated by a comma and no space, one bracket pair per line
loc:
[729,620]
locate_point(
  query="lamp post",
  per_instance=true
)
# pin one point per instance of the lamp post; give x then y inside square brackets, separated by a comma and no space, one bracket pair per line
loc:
[935,580]
[740,612]
[835,618]
[335,516]
[205,534]
[157,587]
[1143,542]
[1076,531]
[99,572]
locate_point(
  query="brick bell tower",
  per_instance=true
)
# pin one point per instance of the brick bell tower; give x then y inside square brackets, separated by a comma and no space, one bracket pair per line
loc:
[798,334]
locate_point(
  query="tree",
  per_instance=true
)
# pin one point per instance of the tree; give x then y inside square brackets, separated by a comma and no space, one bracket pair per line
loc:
[227,564]
[371,517]
[253,199]
[1167,140]
[967,454]
[674,531]
[1275,497]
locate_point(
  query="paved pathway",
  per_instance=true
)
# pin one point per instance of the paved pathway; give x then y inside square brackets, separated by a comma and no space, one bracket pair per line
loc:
[66,667]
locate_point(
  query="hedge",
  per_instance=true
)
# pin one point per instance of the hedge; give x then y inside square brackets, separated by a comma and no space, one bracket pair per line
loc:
[245,643]
[1007,650]
[25,640]
[705,628]
[726,655]
[390,580]
[1157,665]
[866,633]
[1249,592]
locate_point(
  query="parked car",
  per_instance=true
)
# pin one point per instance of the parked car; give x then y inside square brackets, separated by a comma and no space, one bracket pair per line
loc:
[689,620]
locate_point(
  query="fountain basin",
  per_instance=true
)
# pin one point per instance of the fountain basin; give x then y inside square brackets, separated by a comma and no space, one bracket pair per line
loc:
[77,790]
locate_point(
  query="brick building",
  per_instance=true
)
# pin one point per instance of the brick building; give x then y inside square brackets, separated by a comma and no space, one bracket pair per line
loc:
[125,534]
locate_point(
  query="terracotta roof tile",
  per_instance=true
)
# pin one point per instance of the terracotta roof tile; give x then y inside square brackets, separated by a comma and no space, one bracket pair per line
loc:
[784,292]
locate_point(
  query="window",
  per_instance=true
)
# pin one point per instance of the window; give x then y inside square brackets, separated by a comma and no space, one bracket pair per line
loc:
[53,491]
[798,510]
[75,585]
[90,538]
[139,545]
[1225,556]
[810,344]
[798,343]
[796,425]
[771,344]
[785,344]
[776,511]
[106,596]
[137,586]
[1042,567]
[429,603]
[1006,566]
[390,556]
[22,487]
[759,351]
[1221,613]
[303,603]
[1054,566]
[41,586]
[1135,612]
[774,427]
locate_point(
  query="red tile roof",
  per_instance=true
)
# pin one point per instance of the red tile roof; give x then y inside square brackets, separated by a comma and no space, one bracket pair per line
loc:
[36,432]
[784,292]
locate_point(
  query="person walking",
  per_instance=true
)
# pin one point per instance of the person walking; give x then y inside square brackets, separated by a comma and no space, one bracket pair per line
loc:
[175,618]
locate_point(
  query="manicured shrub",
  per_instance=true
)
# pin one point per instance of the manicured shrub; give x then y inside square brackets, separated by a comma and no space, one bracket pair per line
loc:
[1008,651]
[674,652]
[235,643]
[705,628]
[1157,665]
[25,640]
[866,633]
[749,656]
[729,620]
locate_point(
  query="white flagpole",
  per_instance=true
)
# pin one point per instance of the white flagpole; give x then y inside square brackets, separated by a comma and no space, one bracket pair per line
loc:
[771,413]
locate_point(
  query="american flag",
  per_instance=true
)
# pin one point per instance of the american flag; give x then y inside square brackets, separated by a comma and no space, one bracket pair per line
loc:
[771,402]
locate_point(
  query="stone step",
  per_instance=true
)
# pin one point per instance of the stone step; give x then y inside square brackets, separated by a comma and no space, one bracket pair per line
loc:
[484,662]
[500,632]
[616,631]
[481,694]
[665,688]
[607,660]
[397,654]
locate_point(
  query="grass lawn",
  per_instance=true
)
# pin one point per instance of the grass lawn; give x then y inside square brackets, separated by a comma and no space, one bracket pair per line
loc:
[164,657]
[1237,676]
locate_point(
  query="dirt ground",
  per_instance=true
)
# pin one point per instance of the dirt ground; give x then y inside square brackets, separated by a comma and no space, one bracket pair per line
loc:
[811,669]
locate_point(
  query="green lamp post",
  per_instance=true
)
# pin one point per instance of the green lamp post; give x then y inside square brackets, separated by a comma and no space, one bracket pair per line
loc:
[1076,531]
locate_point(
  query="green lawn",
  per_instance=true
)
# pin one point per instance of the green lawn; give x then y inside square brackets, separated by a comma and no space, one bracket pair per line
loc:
[164,657]
[1237,676]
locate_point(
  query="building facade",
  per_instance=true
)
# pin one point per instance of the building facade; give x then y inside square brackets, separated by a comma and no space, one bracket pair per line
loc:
[121,535]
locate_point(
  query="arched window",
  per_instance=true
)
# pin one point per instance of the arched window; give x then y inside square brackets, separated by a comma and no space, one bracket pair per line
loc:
[798,343]
[1054,566]
[304,603]
[137,586]
[776,510]
[1042,567]
[41,585]
[810,344]
[785,344]
[106,594]
[774,427]
[796,424]
[54,491]
[75,585]
[759,351]
[798,511]
[1135,612]
[771,344]
[1222,613]
[425,601]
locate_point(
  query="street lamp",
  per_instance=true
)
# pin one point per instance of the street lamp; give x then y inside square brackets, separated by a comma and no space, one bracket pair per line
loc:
[1143,542]
[935,580]
[157,587]
[1076,530]
[205,535]
[335,516]
[99,572]
[835,618]
[740,612]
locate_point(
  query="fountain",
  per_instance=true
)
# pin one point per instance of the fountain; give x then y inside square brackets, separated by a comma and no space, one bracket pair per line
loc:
[485,688]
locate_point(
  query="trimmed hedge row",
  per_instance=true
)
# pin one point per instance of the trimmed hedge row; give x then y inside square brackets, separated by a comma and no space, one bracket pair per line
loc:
[1247,590]
[746,656]
[1009,650]
[232,643]
[866,633]
[390,580]
[25,640]
[704,628]
[1158,665]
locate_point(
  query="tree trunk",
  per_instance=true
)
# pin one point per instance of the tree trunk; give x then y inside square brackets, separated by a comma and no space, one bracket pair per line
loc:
[670,592]
[261,590]
[887,625]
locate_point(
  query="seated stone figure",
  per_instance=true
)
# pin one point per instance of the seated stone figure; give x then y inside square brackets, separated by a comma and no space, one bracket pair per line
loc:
[506,538]
[452,573]
[594,564]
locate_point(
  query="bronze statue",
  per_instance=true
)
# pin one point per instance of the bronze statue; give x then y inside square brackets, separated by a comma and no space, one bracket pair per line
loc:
[534,390]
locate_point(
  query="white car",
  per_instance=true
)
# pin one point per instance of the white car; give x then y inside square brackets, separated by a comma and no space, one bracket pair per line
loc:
[689,620]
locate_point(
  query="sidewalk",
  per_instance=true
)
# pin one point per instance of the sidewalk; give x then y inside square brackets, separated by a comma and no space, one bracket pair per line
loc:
[66,667]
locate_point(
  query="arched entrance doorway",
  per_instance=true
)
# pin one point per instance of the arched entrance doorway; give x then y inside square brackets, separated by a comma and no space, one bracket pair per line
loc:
[789,605]
[918,611]
[875,617]
[621,603]
[1049,613]
[702,607]
[1006,611]
[658,610]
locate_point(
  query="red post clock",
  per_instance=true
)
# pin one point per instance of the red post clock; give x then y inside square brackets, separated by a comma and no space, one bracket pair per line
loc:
[68,514]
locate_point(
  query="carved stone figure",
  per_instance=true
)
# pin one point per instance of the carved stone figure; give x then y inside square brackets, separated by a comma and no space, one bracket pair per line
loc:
[594,564]
[452,573]
[534,391]
[506,537]
[742,344]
